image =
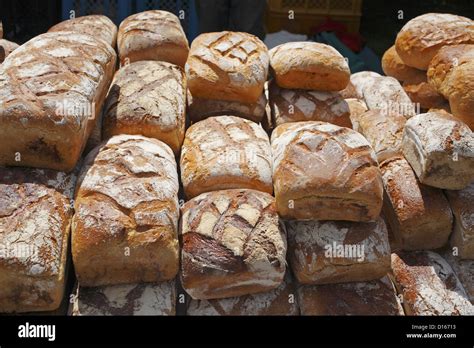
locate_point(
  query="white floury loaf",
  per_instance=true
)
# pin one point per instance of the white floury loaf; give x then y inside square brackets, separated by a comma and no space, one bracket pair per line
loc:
[361,80]
[464,270]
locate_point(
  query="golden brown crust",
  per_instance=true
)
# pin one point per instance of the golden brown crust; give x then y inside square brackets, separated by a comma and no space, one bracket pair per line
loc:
[425,95]
[393,65]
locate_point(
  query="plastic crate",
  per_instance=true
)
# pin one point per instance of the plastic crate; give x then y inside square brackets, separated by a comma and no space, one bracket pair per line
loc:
[310,13]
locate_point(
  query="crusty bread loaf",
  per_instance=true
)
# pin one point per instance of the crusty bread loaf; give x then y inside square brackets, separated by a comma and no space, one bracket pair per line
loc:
[387,94]
[290,105]
[126,299]
[393,66]
[326,252]
[361,80]
[428,285]
[227,66]
[147,98]
[440,150]
[376,297]
[464,270]
[384,132]
[279,301]
[35,219]
[98,26]
[125,226]
[309,65]
[357,108]
[52,89]
[424,94]
[232,244]
[200,108]
[419,215]
[6,48]
[462,205]
[421,38]
[349,92]
[152,35]
[325,172]
[225,152]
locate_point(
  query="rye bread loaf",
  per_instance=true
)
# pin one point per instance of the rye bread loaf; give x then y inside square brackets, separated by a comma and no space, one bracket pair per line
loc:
[309,65]
[52,88]
[6,48]
[232,244]
[225,152]
[440,149]
[393,66]
[147,98]
[227,66]
[325,172]
[35,219]
[152,35]
[421,38]
[126,221]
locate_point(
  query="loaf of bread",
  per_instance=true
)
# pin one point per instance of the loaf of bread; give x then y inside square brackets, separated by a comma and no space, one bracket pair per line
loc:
[393,66]
[200,108]
[326,252]
[147,98]
[349,92]
[126,299]
[424,94]
[35,220]
[462,205]
[152,35]
[464,270]
[52,87]
[291,105]
[97,26]
[126,213]
[227,66]
[6,47]
[225,152]
[325,172]
[429,285]
[232,244]
[421,38]
[309,65]
[376,297]
[357,108]
[384,132]
[440,149]
[387,94]
[419,215]
[361,80]
[279,301]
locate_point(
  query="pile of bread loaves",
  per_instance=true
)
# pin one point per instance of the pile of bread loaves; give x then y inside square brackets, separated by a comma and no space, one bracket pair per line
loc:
[316,192]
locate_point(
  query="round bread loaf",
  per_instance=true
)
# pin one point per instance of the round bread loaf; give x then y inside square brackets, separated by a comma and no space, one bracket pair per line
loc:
[361,80]
[393,65]
[309,65]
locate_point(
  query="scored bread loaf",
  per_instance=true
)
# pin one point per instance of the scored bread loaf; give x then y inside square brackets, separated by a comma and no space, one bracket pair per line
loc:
[125,299]
[35,219]
[125,226]
[429,285]
[152,35]
[387,94]
[325,172]
[227,66]
[290,105]
[440,149]
[461,202]
[326,252]
[424,94]
[393,66]
[201,108]
[384,132]
[52,87]
[419,215]
[147,98]
[357,107]
[225,152]
[309,65]
[464,270]
[421,38]
[232,244]
[279,301]
[361,80]
[376,297]
[6,48]
[98,26]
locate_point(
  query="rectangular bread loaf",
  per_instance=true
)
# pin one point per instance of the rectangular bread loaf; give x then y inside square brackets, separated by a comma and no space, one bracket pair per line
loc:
[35,219]
[52,89]
[325,252]
[126,213]
[376,297]
[464,270]
[429,285]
